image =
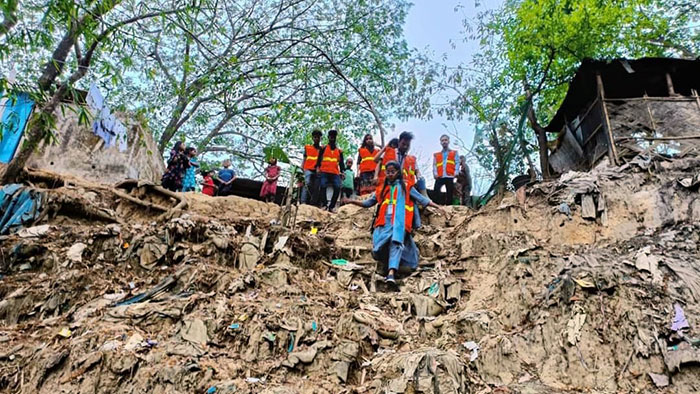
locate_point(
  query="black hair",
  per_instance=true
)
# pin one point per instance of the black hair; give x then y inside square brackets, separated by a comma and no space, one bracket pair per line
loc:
[396,165]
[189,149]
[406,135]
[394,143]
[205,172]
[333,132]
[364,144]
[445,135]
[316,132]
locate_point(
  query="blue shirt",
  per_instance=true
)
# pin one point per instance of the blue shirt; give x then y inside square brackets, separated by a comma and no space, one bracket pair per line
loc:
[226,174]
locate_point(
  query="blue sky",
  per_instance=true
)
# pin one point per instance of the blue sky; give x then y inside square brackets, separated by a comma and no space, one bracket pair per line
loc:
[430,26]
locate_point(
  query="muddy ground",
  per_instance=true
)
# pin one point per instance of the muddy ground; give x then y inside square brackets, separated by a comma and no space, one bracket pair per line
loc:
[575,291]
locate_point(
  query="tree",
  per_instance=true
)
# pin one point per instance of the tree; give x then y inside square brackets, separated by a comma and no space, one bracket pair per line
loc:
[529,50]
[251,73]
[88,30]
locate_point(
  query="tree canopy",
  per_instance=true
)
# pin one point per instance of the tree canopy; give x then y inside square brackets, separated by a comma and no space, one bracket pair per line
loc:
[528,51]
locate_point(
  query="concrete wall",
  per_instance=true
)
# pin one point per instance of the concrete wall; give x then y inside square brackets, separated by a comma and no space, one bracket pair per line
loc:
[77,151]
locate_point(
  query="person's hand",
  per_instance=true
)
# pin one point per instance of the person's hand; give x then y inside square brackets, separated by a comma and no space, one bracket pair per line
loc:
[344,200]
[375,181]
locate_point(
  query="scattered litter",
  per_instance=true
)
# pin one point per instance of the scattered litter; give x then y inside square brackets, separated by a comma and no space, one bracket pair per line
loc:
[585,284]
[474,348]
[252,380]
[340,262]
[314,230]
[75,252]
[211,390]
[573,328]
[234,326]
[36,231]
[660,381]
[679,321]
[65,332]
[195,331]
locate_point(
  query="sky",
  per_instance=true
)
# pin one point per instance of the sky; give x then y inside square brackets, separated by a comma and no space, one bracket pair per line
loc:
[430,25]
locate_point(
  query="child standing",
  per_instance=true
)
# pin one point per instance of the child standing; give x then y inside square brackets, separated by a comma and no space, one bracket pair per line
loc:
[208,186]
[348,187]
[268,191]
[189,183]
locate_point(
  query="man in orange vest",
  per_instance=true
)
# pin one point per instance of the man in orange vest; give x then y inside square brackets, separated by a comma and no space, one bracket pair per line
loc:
[330,166]
[445,168]
[396,218]
[309,193]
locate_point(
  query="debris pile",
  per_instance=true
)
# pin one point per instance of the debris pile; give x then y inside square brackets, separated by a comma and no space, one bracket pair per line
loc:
[196,294]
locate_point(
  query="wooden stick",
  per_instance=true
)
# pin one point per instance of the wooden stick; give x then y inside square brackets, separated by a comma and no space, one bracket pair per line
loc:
[611,140]
[683,137]
[681,98]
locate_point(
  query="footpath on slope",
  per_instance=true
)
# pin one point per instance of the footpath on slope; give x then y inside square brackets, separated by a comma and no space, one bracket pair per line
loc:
[592,286]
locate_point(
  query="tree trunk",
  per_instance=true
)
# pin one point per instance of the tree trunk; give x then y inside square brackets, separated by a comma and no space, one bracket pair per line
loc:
[541,139]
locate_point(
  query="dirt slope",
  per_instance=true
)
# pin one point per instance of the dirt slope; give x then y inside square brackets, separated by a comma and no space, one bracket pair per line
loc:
[576,291]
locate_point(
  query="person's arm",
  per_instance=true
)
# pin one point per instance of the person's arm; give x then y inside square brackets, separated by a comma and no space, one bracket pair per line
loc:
[379,155]
[468,177]
[342,164]
[435,167]
[425,201]
[457,162]
[359,161]
[371,201]
[320,158]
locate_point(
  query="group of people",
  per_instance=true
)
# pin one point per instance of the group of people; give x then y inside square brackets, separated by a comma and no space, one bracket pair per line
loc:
[388,175]
[326,167]
[180,175]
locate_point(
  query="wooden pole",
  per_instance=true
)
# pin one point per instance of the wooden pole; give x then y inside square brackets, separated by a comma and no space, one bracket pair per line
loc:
[651,117]
[612,152]
[669,82]
[697,98]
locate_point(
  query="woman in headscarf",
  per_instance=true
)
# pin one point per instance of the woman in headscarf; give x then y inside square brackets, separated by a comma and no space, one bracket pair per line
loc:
[396,218]
[177,165]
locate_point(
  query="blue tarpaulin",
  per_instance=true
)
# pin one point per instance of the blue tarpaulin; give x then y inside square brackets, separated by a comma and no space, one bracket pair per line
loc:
[14,112]
[19,206]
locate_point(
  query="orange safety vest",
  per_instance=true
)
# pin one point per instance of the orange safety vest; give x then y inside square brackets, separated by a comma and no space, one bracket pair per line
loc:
[329,163]
[449,169]
[311,157]
[409,170]
[367,163]
[389,155]
[388,199]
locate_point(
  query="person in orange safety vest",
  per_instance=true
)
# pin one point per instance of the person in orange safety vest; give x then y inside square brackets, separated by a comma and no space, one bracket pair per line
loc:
[309,193]
[394,222]
[331,167]
[366,165]
[445,169]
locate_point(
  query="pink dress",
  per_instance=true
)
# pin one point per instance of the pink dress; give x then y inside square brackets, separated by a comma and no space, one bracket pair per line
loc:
[270,187]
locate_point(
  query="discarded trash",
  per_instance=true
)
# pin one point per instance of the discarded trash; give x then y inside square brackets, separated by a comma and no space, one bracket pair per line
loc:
[679,321]
[291,343]
[75,252]
[19,205]
[585,284]
[252,380]
[313,325]
[65,332]
[573,328]
[211,390]
[36,231]
[314,230]
[564,208]
[474,348]
[269,336]
[234,326]
[659,380]
[195,331]
[339,262]
[158,289]
[433,289]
